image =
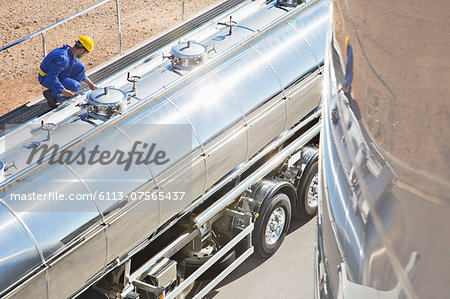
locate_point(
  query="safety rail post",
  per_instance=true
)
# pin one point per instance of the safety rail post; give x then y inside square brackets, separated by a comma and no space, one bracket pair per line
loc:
[183,17]
[42,31]
[44,45]
[118,27]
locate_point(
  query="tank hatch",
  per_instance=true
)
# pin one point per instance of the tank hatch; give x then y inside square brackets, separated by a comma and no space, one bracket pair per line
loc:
[289,3]
[105,102]
[187,55]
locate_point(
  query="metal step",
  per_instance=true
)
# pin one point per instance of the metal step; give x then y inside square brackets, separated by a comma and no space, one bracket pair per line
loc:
[243,234]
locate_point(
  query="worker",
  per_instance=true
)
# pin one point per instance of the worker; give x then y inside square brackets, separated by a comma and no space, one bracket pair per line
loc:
[62,73]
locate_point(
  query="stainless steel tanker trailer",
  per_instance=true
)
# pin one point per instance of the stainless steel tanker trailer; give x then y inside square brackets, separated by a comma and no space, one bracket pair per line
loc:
[177,169]
[384,161]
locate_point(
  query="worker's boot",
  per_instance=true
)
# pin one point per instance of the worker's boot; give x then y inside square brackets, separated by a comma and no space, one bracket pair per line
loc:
[51,101]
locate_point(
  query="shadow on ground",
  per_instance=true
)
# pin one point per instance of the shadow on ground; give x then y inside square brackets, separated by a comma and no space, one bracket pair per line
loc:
[254,262]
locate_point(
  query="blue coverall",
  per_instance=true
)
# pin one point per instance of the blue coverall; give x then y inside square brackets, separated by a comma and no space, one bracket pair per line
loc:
[62,71]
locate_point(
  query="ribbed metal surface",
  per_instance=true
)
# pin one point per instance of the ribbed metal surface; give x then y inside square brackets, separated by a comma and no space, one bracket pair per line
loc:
[162,41]
[24,113]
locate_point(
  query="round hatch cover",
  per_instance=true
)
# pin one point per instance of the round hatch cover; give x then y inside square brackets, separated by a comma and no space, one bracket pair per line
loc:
[106,96]
[290,3]
[189,49]
[105,102]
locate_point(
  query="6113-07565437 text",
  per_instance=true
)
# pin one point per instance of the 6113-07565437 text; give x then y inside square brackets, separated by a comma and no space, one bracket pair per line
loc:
[102,196]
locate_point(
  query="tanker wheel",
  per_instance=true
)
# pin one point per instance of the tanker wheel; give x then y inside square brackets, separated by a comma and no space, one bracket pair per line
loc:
[272,224]
[308,192]
[190,261]
[190,264]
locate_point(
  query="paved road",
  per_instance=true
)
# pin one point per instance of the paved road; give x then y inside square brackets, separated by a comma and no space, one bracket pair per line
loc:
[288,273]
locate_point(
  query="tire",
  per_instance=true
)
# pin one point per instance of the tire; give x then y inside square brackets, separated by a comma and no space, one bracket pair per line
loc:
[190,265]
[277,211]
[308,192]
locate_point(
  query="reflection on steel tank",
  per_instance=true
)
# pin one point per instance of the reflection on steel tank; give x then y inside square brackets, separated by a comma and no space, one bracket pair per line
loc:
[384,153]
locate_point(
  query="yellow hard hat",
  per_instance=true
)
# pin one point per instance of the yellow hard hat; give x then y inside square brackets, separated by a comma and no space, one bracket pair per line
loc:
[87,42]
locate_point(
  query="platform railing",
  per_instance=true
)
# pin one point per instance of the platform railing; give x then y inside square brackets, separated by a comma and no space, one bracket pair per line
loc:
[119,20]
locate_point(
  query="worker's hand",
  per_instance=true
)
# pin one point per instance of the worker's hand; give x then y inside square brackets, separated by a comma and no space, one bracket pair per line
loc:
[67,93]
[93,86]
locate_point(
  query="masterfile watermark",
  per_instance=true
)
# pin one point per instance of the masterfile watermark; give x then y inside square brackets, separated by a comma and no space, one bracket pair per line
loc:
[149,154]
[101,196]
[78,169]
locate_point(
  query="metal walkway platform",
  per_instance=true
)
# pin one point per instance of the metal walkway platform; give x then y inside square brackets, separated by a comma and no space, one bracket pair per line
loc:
[27,112]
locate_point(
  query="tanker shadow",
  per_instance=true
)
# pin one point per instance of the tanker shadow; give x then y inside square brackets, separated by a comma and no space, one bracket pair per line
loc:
[253,261]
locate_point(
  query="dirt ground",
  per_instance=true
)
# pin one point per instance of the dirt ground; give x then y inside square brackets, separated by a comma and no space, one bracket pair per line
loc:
[140,20]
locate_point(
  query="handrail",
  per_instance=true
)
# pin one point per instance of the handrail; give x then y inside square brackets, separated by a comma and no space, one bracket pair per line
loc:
[42,31]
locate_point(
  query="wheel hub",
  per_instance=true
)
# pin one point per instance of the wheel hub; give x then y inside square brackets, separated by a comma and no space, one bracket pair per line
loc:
[313,195]
[275,225]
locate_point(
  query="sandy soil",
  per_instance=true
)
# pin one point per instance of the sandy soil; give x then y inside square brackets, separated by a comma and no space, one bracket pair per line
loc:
[139,21]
